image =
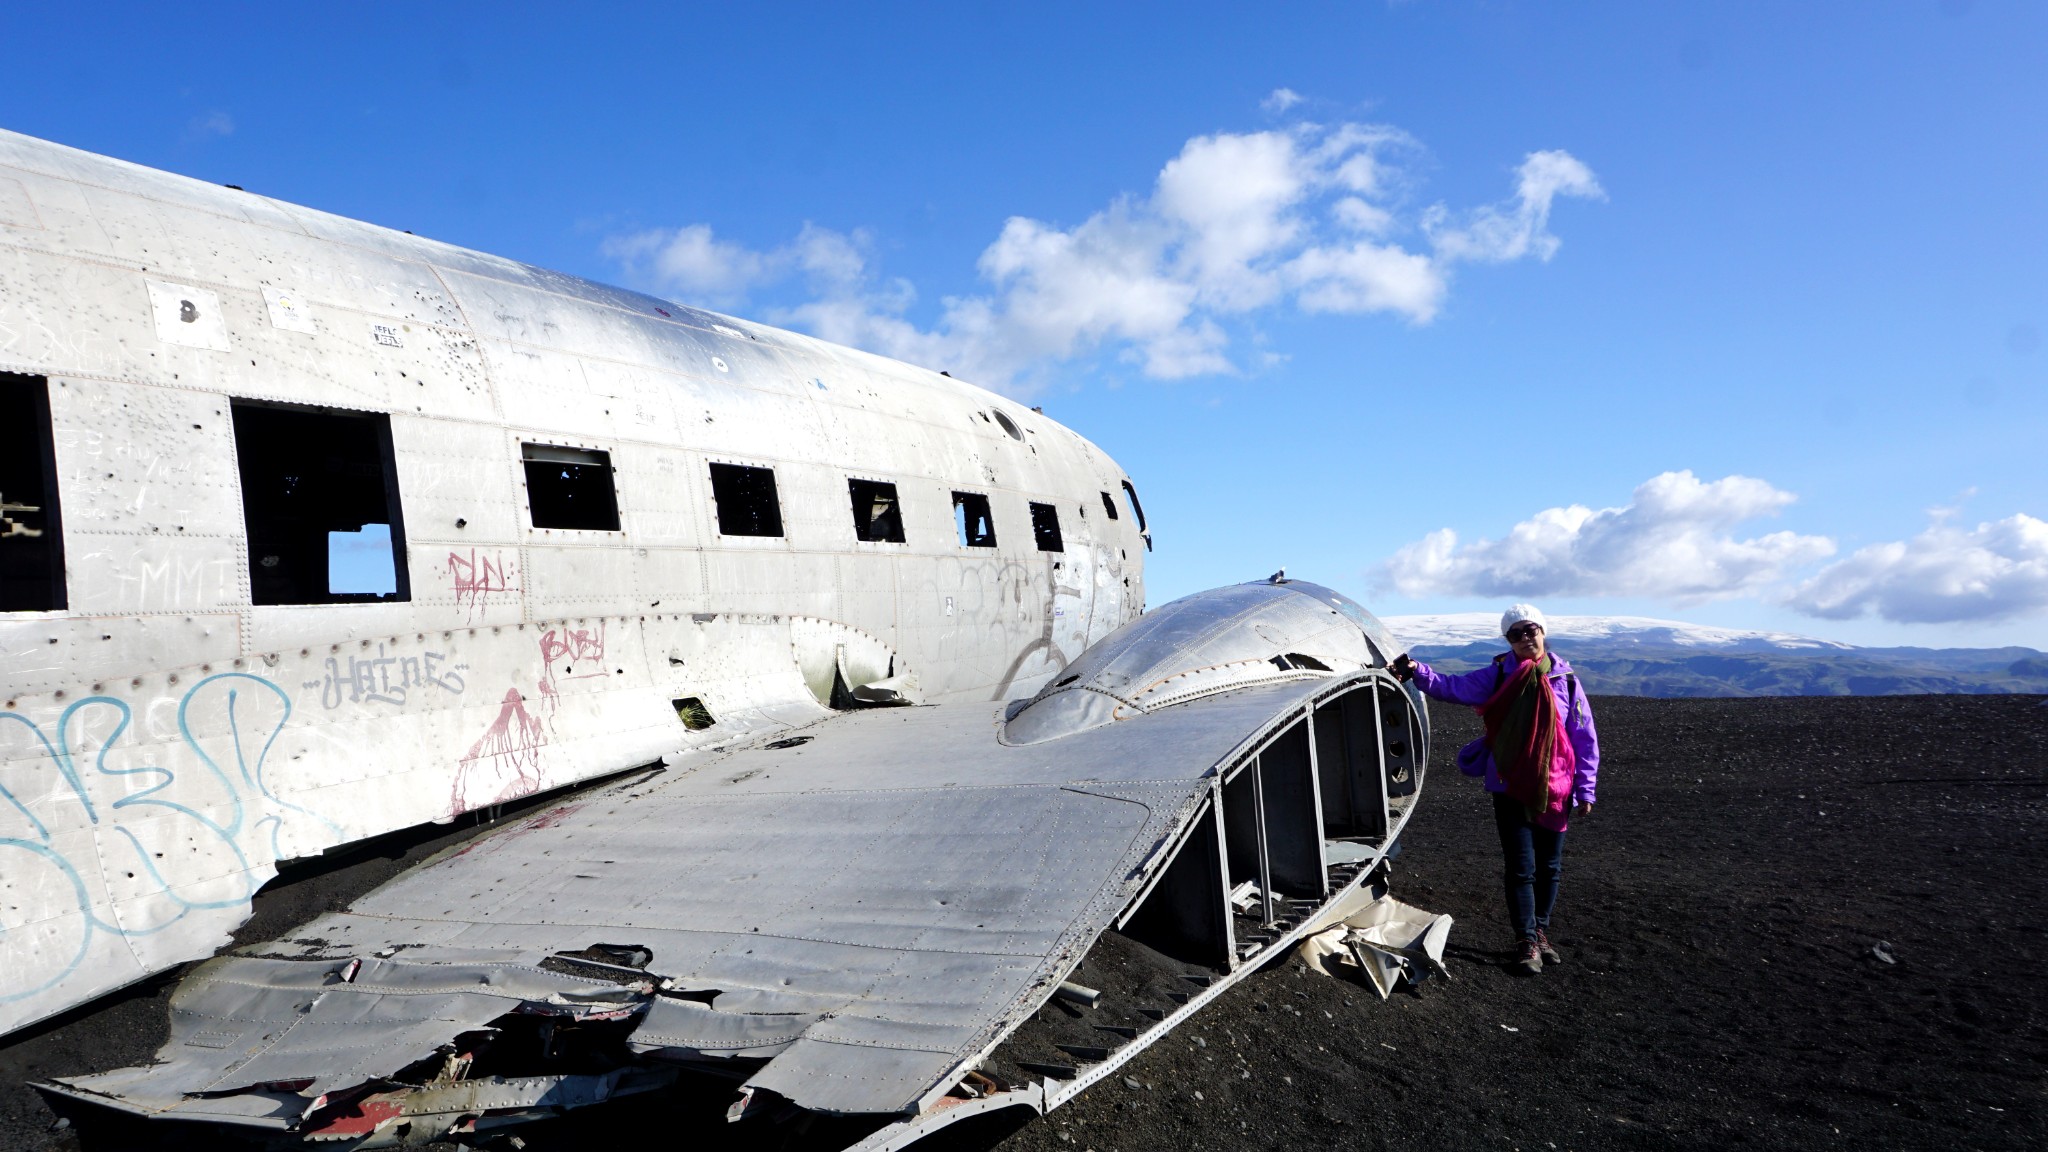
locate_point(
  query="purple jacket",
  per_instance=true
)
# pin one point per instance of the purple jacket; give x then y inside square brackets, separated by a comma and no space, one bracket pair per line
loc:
[1478,686]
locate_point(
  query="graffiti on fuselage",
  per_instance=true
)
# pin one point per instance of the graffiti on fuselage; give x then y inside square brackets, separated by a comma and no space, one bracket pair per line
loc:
[475,579]
[386,679]
[504,763]
[96,843]
[561,650]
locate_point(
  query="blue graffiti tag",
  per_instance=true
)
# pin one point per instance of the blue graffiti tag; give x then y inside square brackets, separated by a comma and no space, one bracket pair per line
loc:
[240,790]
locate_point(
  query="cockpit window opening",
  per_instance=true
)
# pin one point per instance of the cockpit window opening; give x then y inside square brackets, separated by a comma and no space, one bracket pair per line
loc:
[1137,509]
[570,488]
[877,515]
[1109,506]
[31,534]
[971,517]
[320,502]
[747,504]
[1045,526]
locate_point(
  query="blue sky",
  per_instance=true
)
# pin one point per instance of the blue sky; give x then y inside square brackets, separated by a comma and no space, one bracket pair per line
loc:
[1768,283]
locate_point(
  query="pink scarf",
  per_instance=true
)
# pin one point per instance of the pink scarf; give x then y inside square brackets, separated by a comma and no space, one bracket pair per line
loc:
[1531,752]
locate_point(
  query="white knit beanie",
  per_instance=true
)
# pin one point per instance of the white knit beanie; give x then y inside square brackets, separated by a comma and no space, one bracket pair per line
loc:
[1520,612]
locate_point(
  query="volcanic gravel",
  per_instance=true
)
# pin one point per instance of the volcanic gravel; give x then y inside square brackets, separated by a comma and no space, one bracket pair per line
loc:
[1719,984]
[1718,988]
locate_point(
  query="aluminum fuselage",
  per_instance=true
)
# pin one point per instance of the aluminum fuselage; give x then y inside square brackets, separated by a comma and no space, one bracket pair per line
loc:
[165,738]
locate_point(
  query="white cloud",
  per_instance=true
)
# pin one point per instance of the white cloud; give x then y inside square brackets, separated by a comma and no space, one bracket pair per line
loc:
[1675,540]
[1996,571]
[1368,277]
[1307,216]
[1233,199]
[210,126]
[1519,227]
[692,262]
[1281,100]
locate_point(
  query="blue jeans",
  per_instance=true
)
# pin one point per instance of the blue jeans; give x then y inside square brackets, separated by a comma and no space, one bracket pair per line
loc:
[1533,858]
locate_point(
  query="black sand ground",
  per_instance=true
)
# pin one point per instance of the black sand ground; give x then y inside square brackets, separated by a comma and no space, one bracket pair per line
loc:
[1718,987]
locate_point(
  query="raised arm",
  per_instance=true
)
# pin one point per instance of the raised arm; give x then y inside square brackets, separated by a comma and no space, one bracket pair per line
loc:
[1474,687]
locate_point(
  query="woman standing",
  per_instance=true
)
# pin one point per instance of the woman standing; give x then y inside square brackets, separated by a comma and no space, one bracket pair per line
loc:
[1540,757]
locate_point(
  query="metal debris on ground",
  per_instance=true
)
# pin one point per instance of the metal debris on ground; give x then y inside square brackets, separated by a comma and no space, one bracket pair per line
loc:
[1246,896]
[1372,934]
[1076,994]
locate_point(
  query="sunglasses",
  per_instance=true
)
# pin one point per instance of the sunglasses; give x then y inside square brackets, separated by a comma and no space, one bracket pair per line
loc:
[1523,631]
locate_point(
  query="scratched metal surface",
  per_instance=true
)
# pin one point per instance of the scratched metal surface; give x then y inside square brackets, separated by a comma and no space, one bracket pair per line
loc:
[164,742]
[907,885]
[1224,637]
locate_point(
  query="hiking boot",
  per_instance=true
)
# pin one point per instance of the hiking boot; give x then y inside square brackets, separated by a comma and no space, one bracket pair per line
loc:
[1544,948]
[1528,960]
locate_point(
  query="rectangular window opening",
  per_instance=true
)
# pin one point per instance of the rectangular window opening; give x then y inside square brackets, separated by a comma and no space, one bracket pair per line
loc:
[1109,506]
[320,501]
[1045,526]
[877,517]
[971,517]
[570,488]
[747,505]
[31,537]
[692,712]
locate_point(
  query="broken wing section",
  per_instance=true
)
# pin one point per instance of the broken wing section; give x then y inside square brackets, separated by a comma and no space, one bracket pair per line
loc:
[857,919]
[842,948]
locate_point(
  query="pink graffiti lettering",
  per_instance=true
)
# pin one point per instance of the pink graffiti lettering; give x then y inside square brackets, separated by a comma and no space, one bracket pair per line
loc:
[573,645]
[561,651]
[476,579]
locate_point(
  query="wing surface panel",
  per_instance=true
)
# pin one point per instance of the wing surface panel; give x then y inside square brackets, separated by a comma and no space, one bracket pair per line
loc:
[874,906]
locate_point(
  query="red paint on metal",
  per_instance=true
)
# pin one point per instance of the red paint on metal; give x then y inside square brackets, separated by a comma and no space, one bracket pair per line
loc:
[363,1119]
[504,763]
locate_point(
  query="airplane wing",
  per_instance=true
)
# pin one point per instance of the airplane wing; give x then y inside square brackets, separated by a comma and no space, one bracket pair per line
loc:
[851,918]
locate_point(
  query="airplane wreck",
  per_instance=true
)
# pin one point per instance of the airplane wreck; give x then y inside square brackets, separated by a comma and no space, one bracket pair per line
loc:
[316,530]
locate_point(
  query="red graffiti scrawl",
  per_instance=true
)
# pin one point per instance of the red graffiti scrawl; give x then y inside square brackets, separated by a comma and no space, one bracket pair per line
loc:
[562,651]
[503,765]
[477,578]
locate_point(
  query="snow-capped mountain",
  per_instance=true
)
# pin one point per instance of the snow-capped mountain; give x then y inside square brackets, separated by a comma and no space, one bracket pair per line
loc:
[1641,656]
[1459,628]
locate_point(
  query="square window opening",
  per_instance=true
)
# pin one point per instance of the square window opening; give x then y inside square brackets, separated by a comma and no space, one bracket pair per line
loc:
[1045,527]
[747,504]
[1109,506]
[877,516]
[320,502]
[971,517]
[570,488]
[31,536]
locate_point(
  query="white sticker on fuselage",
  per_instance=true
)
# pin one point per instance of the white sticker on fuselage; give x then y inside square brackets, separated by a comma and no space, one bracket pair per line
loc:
[287,310]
